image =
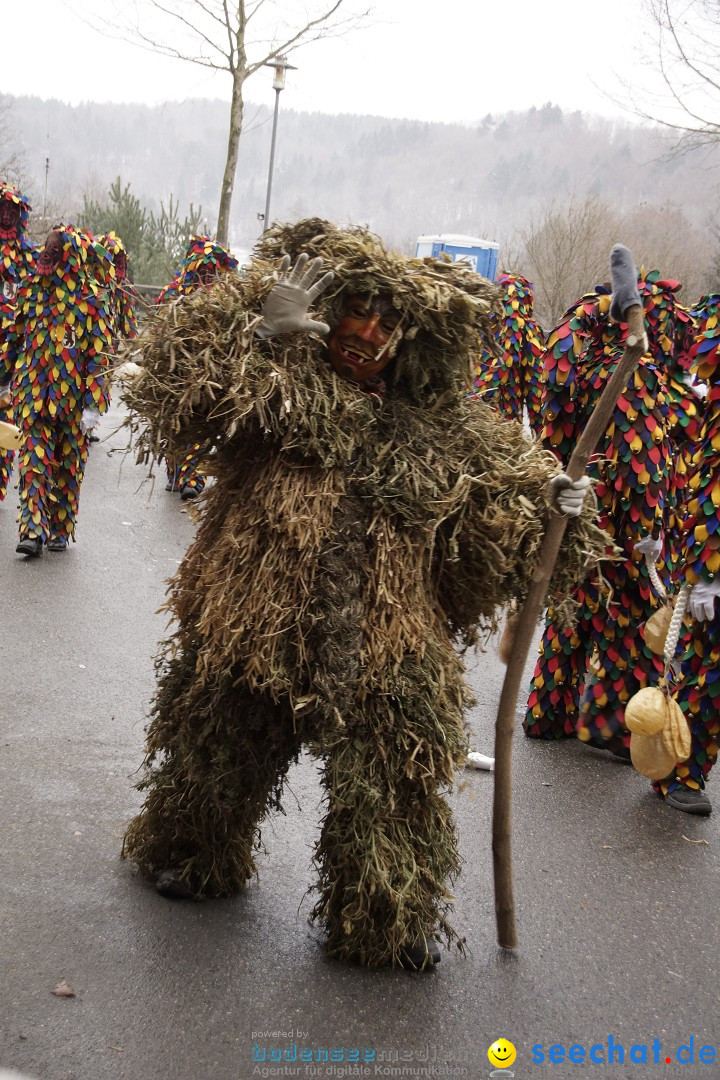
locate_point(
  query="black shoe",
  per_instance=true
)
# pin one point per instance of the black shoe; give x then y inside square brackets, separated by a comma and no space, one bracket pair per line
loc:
[689,800]
[187,492]
[57,543]
[169,883]
[171,486]
[422,955]
[94,438]
[30,545]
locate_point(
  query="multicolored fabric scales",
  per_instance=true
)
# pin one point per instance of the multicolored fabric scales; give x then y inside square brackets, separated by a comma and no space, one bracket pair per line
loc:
[698,689]
[632,471]
[17,259]
[510,378]
[57,354]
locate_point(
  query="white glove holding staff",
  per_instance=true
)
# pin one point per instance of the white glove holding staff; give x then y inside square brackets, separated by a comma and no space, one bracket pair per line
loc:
[568,495]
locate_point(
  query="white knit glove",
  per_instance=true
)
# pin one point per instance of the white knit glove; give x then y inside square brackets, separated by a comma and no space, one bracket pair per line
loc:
[89,419]
[568,495]
[699,389]
[650,546]
[287,303]
[702,599]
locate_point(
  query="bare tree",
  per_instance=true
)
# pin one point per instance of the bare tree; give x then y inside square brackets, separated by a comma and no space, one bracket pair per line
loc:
[567,253]
[234,36]
[11,162]
[683,52]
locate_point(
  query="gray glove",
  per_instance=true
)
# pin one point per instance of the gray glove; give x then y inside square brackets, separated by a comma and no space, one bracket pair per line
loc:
[5,395]
[287,303]
[702,599]
[650,546]
[568,495]
[625,291]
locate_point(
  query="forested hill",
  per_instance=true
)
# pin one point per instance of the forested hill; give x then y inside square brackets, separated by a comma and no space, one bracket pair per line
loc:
[400,177]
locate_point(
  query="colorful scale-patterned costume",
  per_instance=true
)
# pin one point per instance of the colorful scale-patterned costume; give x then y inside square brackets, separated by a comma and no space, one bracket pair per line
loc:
[632,472]
[511,378]
[17,260]
[686,408]
[204,261]
[698,690]
[57,355]
[124,297]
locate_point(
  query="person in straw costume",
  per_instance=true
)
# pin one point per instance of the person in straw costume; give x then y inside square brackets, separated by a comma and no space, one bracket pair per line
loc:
[366,519]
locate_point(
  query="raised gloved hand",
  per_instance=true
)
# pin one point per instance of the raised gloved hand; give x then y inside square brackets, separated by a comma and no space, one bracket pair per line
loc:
[287,303]
[650,546]
[568,495]
[702,599]
[89,419]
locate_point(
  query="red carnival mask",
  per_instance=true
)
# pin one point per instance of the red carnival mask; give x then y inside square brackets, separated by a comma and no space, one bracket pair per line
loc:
[9,218]
[358,347]
[51,254]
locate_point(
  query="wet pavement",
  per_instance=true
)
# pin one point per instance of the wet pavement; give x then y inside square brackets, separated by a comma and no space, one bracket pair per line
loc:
[617,895]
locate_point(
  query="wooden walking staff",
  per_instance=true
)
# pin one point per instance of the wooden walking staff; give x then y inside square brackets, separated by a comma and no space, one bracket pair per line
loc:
[626,307]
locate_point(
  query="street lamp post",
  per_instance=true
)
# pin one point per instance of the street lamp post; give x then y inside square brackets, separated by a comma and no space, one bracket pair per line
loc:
[280,66]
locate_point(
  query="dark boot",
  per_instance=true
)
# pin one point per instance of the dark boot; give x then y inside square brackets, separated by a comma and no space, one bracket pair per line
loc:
[422,955]
[57,543]
[689,800]
[30,545]
[169,884]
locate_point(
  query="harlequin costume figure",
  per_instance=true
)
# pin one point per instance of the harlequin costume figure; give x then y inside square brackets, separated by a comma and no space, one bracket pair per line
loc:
[341,553]
[204,261]
[17,258]
[698,688]
[509,377]
[124,297]
[55,360]
[632,472]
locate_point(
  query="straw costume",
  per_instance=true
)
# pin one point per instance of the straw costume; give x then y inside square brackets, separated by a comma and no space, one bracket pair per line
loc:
[509,377]
[204,261]
[56,355]
[698,690]
[632,475]
[17,257]
[355,532]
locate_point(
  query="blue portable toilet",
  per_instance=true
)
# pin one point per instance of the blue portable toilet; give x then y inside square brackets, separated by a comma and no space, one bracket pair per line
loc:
[481,255]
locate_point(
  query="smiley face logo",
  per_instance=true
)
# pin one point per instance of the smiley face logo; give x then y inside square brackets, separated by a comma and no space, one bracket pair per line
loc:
[501,1054]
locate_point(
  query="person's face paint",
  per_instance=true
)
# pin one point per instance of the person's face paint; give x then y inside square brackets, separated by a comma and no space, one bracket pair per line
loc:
[51,254]
[120,262]
[207,272]
[357,347]
[9,217]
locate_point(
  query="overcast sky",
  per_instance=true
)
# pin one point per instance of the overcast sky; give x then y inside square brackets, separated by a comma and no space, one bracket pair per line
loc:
[449,60]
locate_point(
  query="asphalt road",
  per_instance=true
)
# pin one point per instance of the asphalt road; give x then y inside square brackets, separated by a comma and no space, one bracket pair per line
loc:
[617,895]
